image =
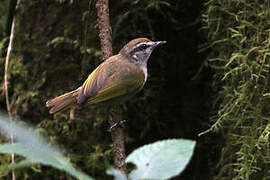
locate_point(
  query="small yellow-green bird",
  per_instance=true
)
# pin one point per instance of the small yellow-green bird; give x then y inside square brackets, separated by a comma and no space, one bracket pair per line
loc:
[116,79]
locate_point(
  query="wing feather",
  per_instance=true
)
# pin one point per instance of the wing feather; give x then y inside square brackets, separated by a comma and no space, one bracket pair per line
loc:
[129,85]
[93,83]
[109,80]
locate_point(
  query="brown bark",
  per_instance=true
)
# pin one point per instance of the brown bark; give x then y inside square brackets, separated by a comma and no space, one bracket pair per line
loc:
[104,28]
[117,134]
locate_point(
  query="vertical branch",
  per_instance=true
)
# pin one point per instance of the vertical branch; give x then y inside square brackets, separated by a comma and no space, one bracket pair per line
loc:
[104,28]
[10,45]
[106,46]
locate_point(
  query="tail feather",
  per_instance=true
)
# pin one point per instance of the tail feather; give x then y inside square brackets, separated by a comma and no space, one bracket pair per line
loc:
[63,101]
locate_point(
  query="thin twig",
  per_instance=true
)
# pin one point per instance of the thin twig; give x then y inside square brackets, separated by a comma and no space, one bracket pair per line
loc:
[106,46]
[6,82]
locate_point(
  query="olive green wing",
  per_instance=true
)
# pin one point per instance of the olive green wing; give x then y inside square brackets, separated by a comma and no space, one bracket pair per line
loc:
[115,77]
[120,84]
[92,84]
[97,79]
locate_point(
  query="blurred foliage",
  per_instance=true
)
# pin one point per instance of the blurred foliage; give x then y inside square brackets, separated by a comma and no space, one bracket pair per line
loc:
[239,40]
[159,160]
[34,148]
[57,46]
[3,17]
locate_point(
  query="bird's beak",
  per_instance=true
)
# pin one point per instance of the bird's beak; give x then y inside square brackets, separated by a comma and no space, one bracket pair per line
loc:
[158,43]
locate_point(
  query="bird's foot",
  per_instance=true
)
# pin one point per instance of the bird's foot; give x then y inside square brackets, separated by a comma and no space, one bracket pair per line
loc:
[118,124]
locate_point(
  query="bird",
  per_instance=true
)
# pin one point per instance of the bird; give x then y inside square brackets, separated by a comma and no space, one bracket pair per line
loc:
[114,81]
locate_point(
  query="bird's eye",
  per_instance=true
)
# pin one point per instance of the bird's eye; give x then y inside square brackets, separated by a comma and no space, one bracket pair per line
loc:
[143,46]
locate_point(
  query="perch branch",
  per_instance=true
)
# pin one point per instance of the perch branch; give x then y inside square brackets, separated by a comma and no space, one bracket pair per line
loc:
[106,47]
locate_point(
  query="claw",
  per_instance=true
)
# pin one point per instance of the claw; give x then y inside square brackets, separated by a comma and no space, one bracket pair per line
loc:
[118,124]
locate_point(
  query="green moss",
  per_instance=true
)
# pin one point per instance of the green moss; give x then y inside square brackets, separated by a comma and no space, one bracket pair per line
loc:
[239,34]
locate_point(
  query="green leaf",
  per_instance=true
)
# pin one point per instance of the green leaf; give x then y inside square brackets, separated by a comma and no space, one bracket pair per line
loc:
[118,175]
[162,159]
[35,149]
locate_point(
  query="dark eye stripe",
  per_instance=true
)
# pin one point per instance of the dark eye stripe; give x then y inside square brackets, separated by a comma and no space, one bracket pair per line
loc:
[139,48]
[142,47]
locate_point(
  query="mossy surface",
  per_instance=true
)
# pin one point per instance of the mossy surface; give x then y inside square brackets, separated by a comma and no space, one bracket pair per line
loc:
[239,41]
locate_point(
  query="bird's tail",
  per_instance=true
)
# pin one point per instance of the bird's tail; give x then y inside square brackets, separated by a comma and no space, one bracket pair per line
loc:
[63,101]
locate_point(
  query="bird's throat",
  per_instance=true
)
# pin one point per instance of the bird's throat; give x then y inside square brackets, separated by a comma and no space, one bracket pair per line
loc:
[144,69]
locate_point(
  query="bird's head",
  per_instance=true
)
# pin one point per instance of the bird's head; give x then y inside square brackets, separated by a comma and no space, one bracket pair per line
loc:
[139,50]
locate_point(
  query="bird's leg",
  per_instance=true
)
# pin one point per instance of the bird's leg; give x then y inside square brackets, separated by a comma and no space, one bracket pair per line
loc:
[118,124]
[115,124]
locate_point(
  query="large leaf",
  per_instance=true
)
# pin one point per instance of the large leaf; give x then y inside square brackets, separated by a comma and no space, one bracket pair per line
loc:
[162,159]
[118,175]
[35,149]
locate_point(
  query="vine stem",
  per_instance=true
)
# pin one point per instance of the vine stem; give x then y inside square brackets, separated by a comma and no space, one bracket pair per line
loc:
[10,45]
